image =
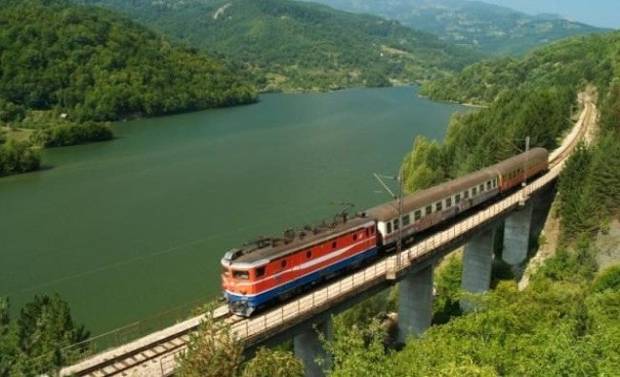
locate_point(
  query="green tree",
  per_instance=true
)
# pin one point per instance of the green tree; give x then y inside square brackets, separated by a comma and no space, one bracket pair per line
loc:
[357,351]
[608,279]
[45,329]
[42,339]
[213,351]
[423,167]
[18,157]
[273,363]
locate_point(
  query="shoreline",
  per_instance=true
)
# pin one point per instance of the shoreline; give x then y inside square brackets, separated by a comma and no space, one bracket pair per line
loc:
[466,104]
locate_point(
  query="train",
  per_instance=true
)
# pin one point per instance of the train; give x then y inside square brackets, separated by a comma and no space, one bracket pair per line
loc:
[273,269]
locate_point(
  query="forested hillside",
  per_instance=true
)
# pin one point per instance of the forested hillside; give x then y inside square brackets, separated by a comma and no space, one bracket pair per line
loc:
[64,69]
[96,65]
[301,46]
[566,321]
[535,97]
[568,63]
[490,28]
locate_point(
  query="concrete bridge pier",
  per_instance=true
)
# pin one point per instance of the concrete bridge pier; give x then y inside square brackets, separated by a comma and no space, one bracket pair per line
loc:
[309,349]
[477,265]
[415,303]
[517,230]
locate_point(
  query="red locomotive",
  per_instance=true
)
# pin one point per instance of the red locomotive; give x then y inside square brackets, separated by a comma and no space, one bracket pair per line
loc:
[273,269]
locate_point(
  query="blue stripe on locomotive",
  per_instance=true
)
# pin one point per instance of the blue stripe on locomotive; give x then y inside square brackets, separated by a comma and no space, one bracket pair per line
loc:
[262,298]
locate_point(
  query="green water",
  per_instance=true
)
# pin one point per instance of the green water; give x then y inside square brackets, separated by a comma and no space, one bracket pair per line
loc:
[126,229]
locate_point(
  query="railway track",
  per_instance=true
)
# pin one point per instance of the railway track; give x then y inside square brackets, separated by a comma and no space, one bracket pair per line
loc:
[586,120]
[150,349]
[155,354]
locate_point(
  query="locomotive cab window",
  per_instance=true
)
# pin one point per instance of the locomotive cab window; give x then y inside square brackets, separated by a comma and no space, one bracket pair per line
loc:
[241,275]
[260,271]
[225,271]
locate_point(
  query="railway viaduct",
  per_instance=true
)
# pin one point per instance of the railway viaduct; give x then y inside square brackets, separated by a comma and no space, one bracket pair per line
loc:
[412,269]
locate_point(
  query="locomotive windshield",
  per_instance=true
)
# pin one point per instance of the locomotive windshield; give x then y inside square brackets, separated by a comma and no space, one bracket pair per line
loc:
[241,275]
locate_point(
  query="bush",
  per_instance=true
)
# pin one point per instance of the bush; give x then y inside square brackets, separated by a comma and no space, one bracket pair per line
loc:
[72,134]
[10,112]
[18,157]
[609,279]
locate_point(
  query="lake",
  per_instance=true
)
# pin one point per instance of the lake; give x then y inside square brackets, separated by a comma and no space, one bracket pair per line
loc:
[127,229]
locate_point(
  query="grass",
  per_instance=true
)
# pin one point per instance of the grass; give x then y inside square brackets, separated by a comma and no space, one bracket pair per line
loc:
[16,134]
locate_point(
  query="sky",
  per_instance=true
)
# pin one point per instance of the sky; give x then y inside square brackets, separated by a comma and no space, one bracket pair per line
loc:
[603,13]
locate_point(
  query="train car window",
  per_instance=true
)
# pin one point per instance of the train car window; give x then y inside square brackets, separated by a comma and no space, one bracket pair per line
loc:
[396,224]
[465,194]
[372,230]
[448,202]
[494,183]
[389,228]
[309,254]
[241,275]
[406,220]
[260,271]
[334,245]
[367,232]
[429,210]
[457,198]
[481,188]
[474,191]
[417,215]
[438,206]
[283,263]
[488,185]
[355,237]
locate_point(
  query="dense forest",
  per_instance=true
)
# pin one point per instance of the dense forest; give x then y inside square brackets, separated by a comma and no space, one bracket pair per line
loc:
[291,45]
[65,69]
[492,29]
[568,63]
[95,65]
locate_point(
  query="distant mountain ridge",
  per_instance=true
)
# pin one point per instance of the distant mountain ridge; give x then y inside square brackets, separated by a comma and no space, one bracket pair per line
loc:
[293,45]
[490,28]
